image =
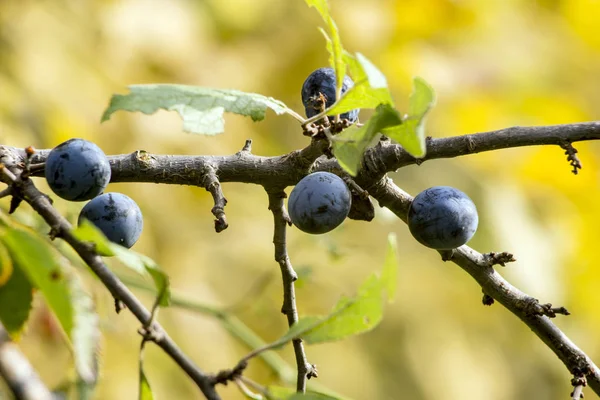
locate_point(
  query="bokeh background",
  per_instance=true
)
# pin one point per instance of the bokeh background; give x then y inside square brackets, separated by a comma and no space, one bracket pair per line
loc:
[494,64]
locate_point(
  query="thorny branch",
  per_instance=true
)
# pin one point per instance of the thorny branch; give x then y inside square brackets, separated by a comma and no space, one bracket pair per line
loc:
[534,315]
[17,372]
[288,275]
[61,228]
[276,173]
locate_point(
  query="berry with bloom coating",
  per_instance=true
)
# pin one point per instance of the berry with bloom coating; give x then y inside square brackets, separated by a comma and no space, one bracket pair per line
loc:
[322,82]
[319,203]
[117,216]
[77,170]
[442,218]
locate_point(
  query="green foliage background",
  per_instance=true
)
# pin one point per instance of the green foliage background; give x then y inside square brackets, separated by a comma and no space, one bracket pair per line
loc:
[493,64]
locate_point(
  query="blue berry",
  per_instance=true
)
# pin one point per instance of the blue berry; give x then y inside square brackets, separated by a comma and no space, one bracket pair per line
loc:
[322,81]
[77,170]
[442,218]
[319,203]
[117,216]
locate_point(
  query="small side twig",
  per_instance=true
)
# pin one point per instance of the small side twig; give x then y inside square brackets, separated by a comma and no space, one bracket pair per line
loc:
[6,192]
[572,157]
[247,146]
[491,259]
[533,307]
[578,382]
[17,372]
[211,184]
[281,219]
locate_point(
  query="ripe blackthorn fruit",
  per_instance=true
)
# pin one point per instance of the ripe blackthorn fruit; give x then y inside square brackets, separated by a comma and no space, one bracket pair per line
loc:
[77,170]
[322,82]
[442,218]
[117,216]
[319,203]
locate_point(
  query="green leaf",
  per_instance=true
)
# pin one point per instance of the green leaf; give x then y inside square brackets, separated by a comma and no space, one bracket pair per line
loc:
[311,396]
[45,271]
[369,90]
[350,145]
[334,44]
[411,134]
[6,265]
[200,108]
[303,325]
[351,316]
[140,263]
[389,275]
[284,393]
[51,273]
[15,297]
[145,391]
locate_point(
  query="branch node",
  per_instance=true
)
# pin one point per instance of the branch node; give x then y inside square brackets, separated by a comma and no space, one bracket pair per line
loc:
[533,307]
[493,258]
[312,372]
[151,334]
[572,158]
[225,376]
[578,382]
[487,300]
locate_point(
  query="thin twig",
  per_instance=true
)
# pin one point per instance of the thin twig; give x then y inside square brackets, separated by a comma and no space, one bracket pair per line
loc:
[212,185]
[6,192]
[17,372]
[62,228]
[281,220]
[578,382]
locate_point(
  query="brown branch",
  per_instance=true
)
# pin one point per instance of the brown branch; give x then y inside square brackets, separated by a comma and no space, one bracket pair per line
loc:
[528,309]
[389,157]
[62,228]
[17,372]
[286,170]
[281,220]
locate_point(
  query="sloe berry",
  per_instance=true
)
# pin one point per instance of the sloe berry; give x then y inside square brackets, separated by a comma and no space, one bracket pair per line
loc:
[442,218]
[322,82]
[117,216]
[77,170]
[319,203]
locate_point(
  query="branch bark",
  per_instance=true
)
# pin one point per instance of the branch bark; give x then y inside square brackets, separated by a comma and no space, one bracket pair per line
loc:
[525,307]
[286,170]
[62,228]
[17,372]
[281,219]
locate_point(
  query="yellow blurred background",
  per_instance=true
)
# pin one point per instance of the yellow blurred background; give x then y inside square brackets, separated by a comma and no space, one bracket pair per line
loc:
[493,64]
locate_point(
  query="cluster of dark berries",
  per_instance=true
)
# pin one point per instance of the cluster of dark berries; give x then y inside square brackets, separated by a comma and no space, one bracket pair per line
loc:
[440,217]
[78,170]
